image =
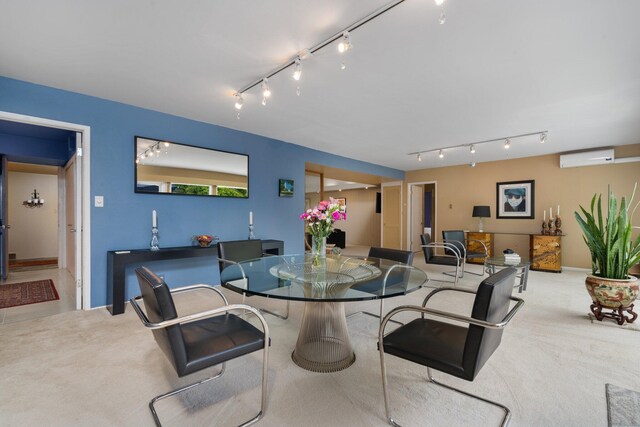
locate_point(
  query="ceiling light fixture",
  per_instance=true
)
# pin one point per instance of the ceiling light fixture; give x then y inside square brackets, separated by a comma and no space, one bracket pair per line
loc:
[266,92]
[239,101]
[345,43]
[543,138]
[472,147]
[345,40]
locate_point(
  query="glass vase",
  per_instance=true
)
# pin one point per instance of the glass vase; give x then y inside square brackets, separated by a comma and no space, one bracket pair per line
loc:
[318,251]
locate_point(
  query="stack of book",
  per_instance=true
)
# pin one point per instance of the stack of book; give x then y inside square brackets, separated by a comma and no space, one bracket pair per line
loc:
[513,258]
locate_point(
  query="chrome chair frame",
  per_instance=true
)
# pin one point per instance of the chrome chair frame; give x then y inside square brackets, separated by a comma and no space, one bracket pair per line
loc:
[244,295]
[463,256]
[384,285]
[204,315]
[459,260]
[450,316]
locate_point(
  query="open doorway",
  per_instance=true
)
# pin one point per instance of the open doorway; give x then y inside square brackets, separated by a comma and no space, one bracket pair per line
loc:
[36,236]
[421,213]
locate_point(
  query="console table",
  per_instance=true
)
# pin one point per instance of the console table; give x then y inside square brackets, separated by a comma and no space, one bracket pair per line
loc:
[545,251]
[117,261]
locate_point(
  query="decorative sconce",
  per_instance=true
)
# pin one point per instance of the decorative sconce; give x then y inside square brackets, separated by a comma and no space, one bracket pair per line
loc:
[34,200]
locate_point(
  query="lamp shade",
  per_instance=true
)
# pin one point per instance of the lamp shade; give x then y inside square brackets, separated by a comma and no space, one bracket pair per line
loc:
[482,212]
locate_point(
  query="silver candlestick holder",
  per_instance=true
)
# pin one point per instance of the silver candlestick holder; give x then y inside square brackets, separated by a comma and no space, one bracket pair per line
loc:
[154,245]
[251,235]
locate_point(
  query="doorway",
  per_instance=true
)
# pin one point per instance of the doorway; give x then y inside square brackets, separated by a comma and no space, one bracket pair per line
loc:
[77,259]
[421,213]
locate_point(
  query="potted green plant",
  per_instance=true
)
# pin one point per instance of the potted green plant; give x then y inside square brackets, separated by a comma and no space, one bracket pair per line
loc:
[613,253]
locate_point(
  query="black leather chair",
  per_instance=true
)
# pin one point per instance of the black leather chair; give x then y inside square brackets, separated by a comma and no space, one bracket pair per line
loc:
[201,340]
[397,255]
[236,251]
[450,348]
[454,258]
[456,238]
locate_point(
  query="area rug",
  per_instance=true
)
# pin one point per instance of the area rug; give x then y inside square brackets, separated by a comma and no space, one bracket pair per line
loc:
[623,406]
[24,293]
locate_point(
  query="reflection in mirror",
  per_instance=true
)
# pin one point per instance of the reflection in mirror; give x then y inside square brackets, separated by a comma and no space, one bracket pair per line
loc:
[167,167]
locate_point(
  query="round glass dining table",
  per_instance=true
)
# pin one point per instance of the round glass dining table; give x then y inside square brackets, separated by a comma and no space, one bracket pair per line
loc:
[324,285]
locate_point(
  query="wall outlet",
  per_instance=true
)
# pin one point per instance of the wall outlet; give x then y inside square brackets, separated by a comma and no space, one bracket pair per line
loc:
[99,201]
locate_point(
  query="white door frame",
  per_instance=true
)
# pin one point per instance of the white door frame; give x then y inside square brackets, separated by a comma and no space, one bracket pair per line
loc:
[83,198]
[389,184]
[409,201]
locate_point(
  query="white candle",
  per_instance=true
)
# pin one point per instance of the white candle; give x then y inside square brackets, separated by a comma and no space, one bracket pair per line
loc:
[550,213]
[558,210]
[250,217]
[154,219]
[544,215]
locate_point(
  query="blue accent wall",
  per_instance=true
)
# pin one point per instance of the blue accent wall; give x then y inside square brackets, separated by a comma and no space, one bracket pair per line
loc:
[125,220]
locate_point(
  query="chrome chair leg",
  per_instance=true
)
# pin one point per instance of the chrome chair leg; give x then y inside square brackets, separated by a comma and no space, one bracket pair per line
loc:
[507,412]
[390,420]
[273,313]
[179,390]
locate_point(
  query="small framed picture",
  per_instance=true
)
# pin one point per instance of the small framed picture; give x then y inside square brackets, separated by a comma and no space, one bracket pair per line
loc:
[515,199]
[342,202]
[285,188]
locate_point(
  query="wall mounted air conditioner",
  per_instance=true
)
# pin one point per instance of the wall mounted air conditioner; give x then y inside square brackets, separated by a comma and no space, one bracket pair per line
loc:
[587,158]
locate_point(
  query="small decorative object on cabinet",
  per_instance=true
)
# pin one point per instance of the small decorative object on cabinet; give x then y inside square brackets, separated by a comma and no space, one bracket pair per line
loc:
[474,245]
[545,253]
[613,253]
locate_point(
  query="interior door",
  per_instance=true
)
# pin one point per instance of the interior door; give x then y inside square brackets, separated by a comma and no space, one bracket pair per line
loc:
[73,215]
[4,237]
[391,216]
[417,216]
[70,215]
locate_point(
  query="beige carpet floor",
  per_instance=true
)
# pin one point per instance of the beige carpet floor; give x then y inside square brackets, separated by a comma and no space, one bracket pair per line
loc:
[92,369]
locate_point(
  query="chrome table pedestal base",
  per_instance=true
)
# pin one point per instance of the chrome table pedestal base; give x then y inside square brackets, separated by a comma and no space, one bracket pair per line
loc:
[323,341]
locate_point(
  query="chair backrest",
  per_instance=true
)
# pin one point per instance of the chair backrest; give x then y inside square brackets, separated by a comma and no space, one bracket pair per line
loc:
[405,257]
[456,237]
[492,305]
[238,251]
[159,306]
[428,252]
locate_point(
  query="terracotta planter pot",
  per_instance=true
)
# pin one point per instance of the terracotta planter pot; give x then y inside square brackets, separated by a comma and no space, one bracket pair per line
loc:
[615,294]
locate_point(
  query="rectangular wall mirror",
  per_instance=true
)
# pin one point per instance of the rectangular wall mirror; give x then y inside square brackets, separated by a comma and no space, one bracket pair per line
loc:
[166,167]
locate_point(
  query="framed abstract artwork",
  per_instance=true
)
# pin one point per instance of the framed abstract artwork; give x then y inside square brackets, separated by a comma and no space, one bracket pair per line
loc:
[285,188]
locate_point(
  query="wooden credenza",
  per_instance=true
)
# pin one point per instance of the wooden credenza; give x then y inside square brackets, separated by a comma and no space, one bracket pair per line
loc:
[474,245]
[545,253]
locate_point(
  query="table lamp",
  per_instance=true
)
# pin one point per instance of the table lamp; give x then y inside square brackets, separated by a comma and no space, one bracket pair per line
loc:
[481,212]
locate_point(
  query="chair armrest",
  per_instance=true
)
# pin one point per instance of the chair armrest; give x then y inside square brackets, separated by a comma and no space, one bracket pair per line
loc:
[445,245]
[451,316]
[228,261]
[459,247]
[445,288]
[197,287]
[486,251]
[196,316]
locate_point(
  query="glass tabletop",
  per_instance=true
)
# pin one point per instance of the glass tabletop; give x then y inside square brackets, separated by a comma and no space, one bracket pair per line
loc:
[338,278]
[500,261]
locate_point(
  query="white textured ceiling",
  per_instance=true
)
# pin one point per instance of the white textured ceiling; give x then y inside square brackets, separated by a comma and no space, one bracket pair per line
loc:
[495,68]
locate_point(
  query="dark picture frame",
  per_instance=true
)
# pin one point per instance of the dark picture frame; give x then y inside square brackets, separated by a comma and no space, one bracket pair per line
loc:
[342,201]
[285,188]
[515,199]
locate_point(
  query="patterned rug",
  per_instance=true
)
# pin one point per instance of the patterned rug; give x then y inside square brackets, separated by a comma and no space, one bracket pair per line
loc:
[623,406]
[24,293]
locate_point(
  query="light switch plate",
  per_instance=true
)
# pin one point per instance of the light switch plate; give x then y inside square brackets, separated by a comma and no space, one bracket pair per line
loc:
[99,201]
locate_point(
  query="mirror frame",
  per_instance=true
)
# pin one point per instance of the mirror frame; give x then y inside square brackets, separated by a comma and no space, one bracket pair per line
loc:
[135,168]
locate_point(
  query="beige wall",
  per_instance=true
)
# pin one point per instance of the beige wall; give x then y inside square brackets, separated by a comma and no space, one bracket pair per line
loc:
[459,188]
[34,231]
[362,226]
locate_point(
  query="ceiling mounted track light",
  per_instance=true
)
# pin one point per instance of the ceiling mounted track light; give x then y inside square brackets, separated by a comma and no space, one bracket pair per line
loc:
[472,147]
[344,44]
